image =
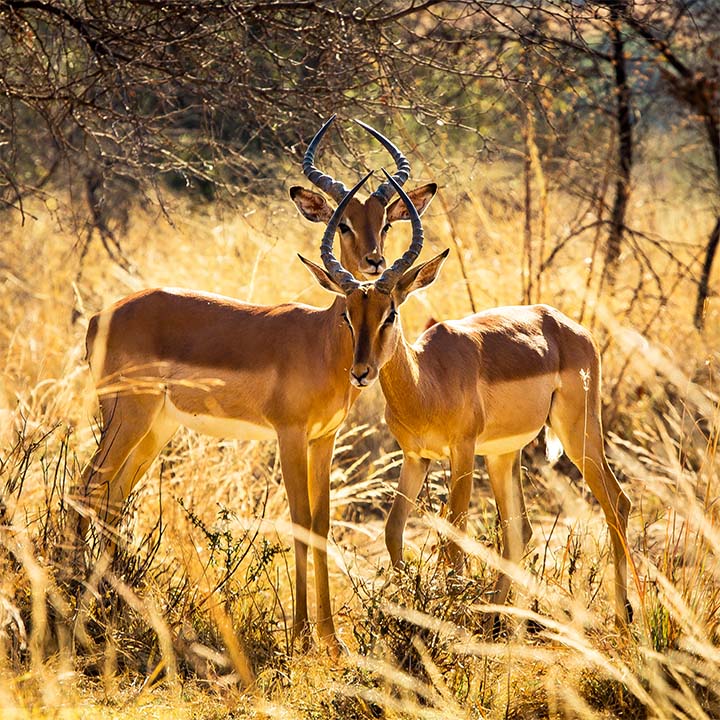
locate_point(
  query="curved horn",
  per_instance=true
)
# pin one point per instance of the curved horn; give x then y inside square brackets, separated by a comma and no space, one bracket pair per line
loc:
[337,272]
[387,281]
[386,190]
[335,189]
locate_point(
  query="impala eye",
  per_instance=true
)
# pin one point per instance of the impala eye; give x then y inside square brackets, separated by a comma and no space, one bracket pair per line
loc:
[386,228]
[346,319]
[390,319]
[343,228]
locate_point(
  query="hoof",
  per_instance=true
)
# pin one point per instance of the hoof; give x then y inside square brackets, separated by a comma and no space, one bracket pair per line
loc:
[629,611]
[622,620]
[492,626]
[336,648]
[533,627]
[455,583]
[302,638]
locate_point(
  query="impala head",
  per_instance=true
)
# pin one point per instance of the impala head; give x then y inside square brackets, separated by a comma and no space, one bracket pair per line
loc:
[372,306]
[363,225]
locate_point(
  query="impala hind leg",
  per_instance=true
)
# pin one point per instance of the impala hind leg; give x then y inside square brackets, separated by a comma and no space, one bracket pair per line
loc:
[127,421]
[141,458]
[505,475]
[582,439]
[412,475]
[104,508]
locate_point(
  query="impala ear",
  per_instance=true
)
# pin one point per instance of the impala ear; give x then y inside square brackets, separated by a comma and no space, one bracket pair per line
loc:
[419,277]
[311,204]
[420,197]
[322,276]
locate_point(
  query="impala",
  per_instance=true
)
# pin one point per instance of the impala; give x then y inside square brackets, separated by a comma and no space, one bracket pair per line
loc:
[168,357]
[363,226]
[485,385]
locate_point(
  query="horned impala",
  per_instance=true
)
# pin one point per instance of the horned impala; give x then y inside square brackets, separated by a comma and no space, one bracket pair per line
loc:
[485,384]
[163,358]
[363,226]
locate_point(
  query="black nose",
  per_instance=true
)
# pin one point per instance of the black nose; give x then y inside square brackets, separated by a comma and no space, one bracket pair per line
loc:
[370,260]
[362,376]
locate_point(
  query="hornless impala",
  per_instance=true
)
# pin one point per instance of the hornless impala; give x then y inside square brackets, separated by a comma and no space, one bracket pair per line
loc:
[364,225]
[168,357]
[486,385]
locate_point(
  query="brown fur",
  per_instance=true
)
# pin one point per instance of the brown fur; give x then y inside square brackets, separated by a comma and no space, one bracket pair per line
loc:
[283,368]
[363,244]
[486,384]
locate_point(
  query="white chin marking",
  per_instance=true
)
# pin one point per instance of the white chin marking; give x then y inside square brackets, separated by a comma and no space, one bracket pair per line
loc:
[362,383]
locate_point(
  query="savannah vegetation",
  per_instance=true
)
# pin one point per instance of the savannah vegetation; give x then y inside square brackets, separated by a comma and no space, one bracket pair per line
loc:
[577,149]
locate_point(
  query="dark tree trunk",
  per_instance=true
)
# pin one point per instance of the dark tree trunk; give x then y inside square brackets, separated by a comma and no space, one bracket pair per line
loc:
[712,123]
[625,146]
[694,89]
[704,282]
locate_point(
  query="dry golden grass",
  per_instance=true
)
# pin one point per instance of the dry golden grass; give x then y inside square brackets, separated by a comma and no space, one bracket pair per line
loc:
[171,626]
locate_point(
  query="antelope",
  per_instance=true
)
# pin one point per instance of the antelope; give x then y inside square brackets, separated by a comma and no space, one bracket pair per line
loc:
[167,357]
[482,385]
[364,226]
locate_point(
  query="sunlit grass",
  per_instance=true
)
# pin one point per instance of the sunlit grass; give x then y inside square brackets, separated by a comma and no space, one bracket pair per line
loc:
[162,626]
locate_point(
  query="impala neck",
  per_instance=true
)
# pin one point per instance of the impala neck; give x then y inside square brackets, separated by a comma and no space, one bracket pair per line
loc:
[400,376]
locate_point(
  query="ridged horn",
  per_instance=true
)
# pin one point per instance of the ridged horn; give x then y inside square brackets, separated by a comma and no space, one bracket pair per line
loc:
[387,281]
[337,272]
[386,190]
[335,189]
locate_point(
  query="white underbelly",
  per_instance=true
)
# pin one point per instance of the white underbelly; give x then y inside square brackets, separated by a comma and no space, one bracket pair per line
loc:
[483,446]
[503,445]
[219,426]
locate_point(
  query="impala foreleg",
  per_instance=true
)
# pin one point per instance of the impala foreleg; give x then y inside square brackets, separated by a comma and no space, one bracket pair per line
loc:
[320,457]
[515,530]
[412,475]
[462,462]
[294,462]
